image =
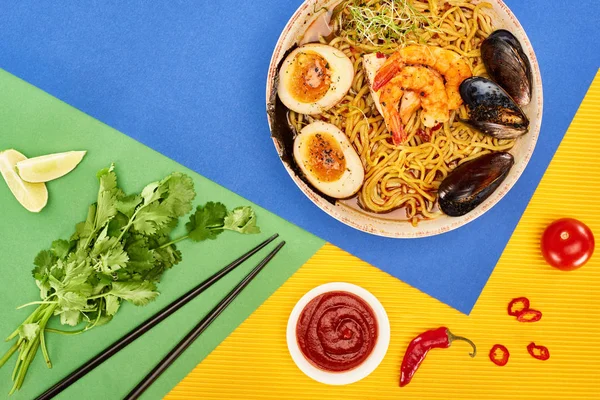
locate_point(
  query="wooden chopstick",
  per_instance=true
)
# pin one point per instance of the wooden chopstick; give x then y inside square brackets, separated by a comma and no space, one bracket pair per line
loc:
[147,325]
[198,329]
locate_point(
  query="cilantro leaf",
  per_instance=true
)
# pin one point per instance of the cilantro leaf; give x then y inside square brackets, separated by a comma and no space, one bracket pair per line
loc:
[207,221]
[70,317]
[106,208]
[60,248]
[107,178]
[45,259]
[109,253]
[153,192]
[112,304]
[71,300]
[116,225]
[127,205]
[150,218]
[103,244]
[44,287]
[180,189]
[43,262]
[29,331]
[242,220]
[138,293]
[84,229]
[140,256]
[167,228]
[116,258]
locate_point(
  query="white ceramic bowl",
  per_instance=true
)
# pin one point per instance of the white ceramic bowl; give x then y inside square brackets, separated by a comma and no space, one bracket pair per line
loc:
[394,224]
[364,369]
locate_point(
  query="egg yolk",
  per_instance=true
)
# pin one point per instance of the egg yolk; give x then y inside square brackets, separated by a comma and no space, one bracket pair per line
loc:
[310,77]
[324,157]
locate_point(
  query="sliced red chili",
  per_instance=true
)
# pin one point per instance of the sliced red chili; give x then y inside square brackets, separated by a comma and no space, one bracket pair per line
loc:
[529,315]
[436,127]
[424,135]
[516,306]
[380,55]
[539,352]
[499,355]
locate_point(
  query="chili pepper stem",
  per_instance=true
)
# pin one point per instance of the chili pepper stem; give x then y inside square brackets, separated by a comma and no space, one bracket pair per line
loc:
[452,337]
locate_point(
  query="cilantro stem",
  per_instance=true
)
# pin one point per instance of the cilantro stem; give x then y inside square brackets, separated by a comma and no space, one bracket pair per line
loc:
[45,319]
[37,302]
[9,353]
[31,317]
[18,363]
[98,296]
[32,349]
[173,241]
[59,331]
[87,328]
[126,228]
[179,239]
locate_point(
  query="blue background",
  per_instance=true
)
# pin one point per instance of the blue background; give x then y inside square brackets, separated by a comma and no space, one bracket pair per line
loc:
[188,79]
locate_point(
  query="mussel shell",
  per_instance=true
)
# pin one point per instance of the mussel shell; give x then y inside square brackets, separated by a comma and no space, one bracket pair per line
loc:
[508,65]
[471,183]
[491,110]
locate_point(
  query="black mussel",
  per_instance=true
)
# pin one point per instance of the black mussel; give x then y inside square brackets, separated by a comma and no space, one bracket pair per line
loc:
[508,65]
[491,110]
[472,182]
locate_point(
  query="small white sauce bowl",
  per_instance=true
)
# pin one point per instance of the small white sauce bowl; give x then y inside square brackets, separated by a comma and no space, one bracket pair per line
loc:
[364,369]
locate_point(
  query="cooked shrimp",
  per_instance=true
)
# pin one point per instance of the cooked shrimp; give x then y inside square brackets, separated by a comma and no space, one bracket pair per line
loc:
[429,89]
[450,64]
[410,103]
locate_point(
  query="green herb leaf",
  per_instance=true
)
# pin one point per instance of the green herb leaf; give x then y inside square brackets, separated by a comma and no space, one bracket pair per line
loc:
[141,257]
[44,287]
[71,300]
[138,293]
[180,188]
[70,317]
[60,248]
[45,259]
[106,208]
[127,205]
[84,229]
[116,225]
[242,220]
[112,304]
[150,218]
[153,192]
[207,221]
[29,331]
[107,178]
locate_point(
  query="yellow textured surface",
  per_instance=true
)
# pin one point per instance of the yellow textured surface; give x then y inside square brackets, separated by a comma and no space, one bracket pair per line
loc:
[253,363]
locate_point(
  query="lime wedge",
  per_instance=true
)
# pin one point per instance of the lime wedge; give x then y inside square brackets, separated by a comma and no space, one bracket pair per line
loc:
[49,167]
[33,196]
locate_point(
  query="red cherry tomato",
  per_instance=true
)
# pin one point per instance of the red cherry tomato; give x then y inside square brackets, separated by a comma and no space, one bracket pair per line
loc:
[567,244]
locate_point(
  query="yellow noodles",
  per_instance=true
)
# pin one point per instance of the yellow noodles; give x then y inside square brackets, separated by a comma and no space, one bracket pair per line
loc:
[409,175]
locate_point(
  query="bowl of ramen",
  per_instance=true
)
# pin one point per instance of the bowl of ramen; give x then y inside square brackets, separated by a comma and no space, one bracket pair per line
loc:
[404,118]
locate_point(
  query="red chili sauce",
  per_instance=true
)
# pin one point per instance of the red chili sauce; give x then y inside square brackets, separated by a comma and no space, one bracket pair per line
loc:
[337,331]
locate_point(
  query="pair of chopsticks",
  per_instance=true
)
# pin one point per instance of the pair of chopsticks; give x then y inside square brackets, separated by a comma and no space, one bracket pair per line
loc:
[163,314]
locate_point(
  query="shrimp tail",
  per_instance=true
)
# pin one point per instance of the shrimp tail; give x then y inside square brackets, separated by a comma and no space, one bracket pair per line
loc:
[385,74]
[397,129]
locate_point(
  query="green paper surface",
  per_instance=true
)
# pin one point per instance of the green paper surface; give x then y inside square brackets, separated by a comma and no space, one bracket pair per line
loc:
[36,123]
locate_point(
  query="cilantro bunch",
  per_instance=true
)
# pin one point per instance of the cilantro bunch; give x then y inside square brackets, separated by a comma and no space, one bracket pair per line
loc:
[118,253]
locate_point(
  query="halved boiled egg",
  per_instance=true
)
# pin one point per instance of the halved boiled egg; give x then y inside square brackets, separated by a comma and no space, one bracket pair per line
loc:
[328,160]
[314,77]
